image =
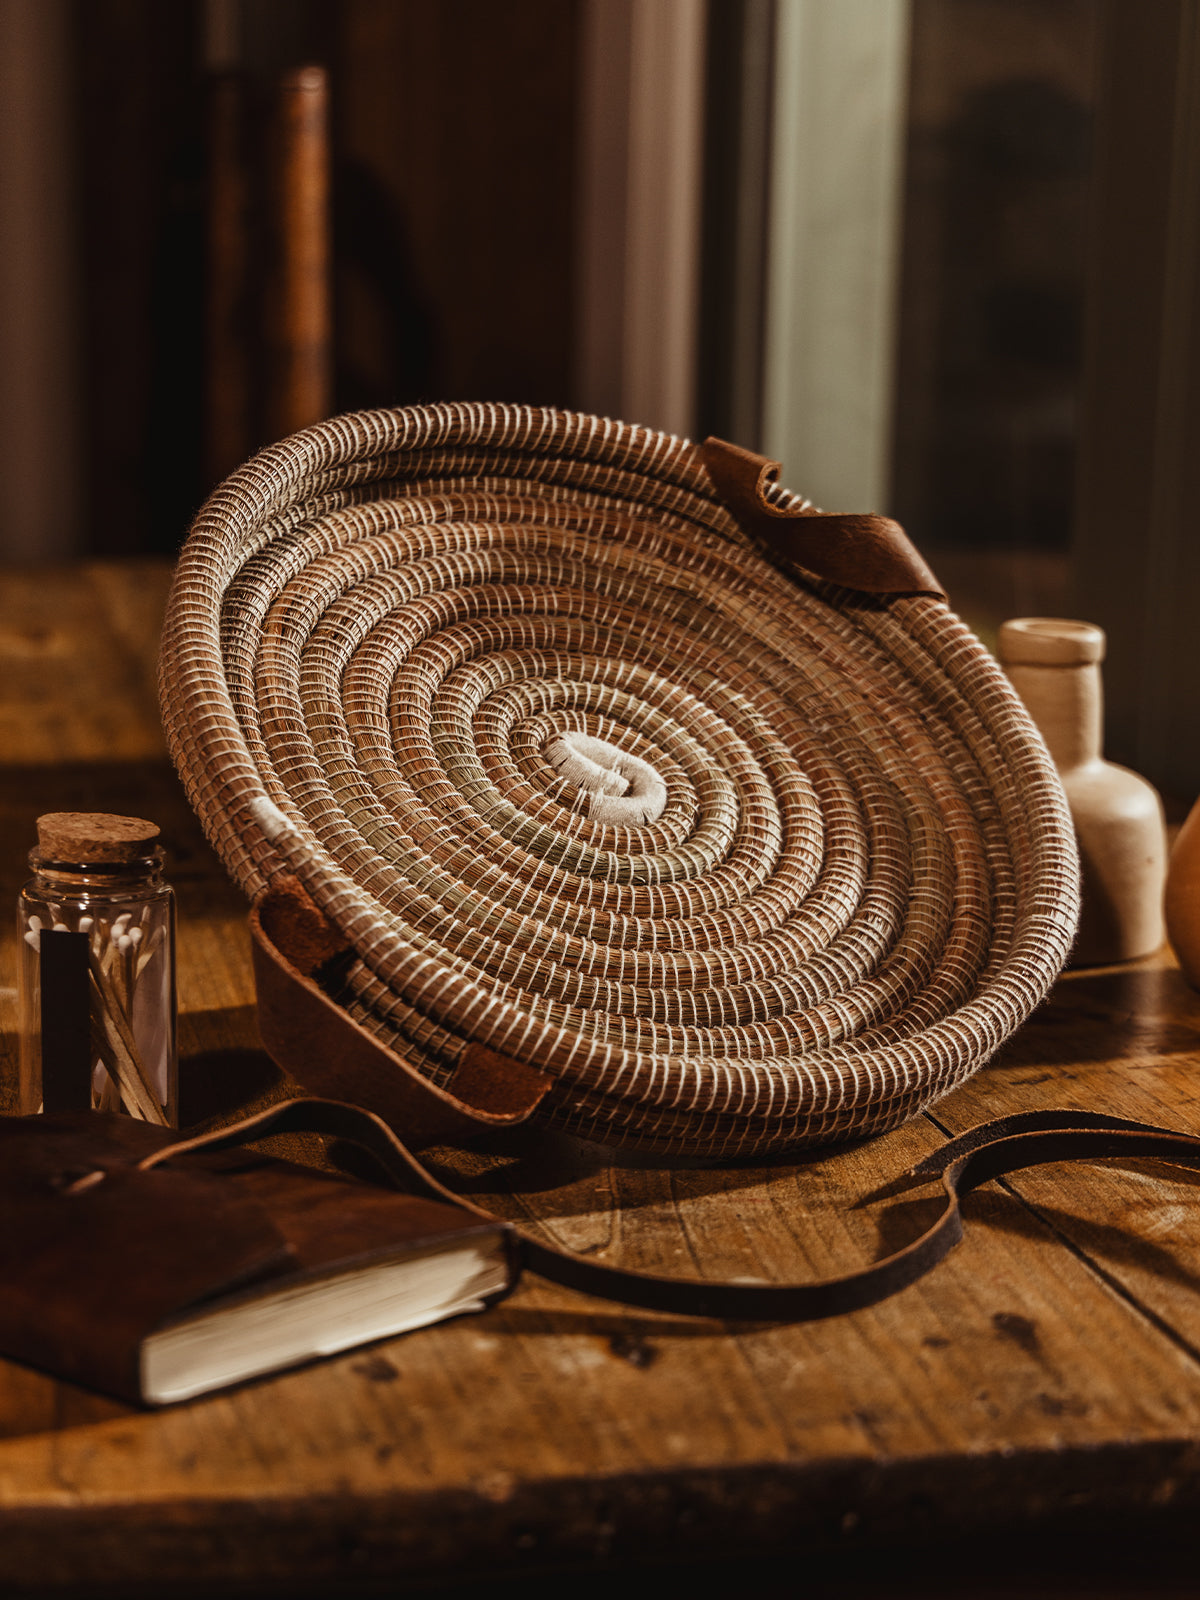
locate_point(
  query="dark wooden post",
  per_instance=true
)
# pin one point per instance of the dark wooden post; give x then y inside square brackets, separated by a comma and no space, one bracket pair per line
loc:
[1137,557]
[229,305]
[298,311]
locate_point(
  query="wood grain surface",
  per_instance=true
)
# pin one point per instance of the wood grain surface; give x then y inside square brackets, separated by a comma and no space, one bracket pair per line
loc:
[1044,1380]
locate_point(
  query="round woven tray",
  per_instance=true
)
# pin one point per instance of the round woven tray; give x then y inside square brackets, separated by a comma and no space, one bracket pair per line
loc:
[737,858]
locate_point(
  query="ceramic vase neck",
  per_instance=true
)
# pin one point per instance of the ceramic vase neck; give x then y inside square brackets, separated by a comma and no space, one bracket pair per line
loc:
[1055,668]
[1067,703]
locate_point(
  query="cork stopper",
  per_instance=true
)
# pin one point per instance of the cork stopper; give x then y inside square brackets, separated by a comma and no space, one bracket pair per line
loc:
[1049,642]
[94,836]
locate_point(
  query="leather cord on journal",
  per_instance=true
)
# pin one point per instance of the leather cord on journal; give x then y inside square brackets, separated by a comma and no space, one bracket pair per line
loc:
[311,1036]
[1008,1144]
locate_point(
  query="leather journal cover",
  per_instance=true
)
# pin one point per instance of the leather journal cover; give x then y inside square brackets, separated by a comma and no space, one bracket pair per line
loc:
[222,1263]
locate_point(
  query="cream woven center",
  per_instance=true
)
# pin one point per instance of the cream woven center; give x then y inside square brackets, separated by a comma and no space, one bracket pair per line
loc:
[619,789]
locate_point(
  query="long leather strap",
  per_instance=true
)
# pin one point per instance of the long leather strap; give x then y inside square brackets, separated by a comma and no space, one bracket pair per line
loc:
[1008,1144]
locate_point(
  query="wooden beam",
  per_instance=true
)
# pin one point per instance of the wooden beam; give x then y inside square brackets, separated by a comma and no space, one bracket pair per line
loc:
[1137,556]
[40,445]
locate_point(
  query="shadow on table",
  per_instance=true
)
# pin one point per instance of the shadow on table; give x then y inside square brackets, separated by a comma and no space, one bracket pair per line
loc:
[221,1085]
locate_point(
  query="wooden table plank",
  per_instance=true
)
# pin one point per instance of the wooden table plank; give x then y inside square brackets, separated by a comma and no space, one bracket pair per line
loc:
[1123,1040]
[1045,1370]
[77,654]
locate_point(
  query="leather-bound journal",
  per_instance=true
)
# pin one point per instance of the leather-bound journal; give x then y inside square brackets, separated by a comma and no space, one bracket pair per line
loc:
[158,1282]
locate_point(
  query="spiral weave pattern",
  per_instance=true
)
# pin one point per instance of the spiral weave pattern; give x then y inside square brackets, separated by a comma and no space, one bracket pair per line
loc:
[740,860]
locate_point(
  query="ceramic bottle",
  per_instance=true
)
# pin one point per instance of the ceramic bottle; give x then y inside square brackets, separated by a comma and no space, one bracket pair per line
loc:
[1182,905]
[1054,665]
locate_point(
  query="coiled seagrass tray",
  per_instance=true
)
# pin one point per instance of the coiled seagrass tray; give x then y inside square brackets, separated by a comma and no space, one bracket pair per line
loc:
[595,755]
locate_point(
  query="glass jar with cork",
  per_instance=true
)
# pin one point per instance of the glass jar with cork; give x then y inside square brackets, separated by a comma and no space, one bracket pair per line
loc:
[97,930]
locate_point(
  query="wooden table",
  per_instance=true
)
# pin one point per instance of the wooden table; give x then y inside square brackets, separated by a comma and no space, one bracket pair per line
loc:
[1043,1384]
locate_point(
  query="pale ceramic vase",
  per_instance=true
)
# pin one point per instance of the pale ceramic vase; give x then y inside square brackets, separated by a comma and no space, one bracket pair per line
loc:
[1182,903]
[1054,666]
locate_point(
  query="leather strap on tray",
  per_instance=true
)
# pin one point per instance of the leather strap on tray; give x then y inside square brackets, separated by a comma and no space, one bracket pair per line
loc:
[857,551]
[1006,1145]
[315,1040]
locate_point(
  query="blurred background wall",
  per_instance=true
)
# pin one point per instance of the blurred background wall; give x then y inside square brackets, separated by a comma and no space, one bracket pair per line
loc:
[940,257]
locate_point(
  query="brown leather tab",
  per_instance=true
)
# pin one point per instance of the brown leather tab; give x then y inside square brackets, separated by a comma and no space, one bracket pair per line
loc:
[487,1081]
[312,1038]
[858,551]
[297,926]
